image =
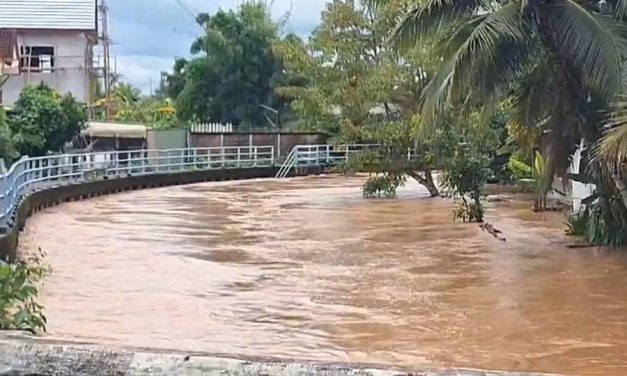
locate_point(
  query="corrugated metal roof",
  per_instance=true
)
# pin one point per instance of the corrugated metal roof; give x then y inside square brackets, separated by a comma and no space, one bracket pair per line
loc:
[48,14]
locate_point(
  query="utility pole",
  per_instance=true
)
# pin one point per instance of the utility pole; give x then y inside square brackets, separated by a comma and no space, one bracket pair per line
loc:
[103,10]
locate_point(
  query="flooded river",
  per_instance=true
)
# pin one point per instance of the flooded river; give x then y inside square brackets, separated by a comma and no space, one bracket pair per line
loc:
[306,269]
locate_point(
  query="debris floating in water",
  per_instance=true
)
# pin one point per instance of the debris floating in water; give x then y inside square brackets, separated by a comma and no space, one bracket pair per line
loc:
[493,231]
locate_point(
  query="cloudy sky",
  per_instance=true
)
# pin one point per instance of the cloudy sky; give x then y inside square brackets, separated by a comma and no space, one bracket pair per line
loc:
[149,34]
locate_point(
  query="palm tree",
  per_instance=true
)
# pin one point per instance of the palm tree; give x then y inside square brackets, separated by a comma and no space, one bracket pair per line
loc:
[611,150]
[559,60]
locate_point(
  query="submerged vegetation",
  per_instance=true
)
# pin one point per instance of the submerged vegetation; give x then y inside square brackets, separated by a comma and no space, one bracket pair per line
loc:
[415,75]
[19,309]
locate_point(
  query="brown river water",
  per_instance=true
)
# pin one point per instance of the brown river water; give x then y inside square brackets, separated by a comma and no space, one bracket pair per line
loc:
[307,269]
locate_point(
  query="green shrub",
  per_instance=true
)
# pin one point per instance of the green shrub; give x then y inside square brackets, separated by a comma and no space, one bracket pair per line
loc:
[468,212]
[520,167]
[577,223]
[18,292]
[382,185]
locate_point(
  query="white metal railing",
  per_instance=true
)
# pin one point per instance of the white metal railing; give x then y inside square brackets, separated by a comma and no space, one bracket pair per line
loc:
[290,160]
[29,175]
[319,155]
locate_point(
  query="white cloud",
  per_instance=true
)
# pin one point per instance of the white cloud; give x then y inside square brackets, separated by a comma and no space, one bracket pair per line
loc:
[140,70]
[149,34]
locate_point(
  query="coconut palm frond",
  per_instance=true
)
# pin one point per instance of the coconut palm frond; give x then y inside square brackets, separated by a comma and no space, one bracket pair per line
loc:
[376,4]
[484,56]
[430,17]
[613,146]
[621,9]
[590,42]
[532,104]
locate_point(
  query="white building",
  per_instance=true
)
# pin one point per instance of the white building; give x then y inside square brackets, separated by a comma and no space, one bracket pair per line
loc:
[49,41]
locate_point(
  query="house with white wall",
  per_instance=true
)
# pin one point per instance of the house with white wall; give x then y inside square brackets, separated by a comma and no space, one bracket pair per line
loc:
[49,41]
[571,191]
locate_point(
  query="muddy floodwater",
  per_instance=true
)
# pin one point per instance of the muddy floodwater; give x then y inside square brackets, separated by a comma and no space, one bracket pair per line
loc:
[307,269]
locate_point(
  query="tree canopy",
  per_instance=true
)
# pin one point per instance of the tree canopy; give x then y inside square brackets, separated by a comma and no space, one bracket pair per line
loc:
[558,63]
[42,120]
[233,73]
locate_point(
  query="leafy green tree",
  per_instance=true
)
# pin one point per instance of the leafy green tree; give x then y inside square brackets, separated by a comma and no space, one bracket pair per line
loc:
[42,120]
[7,149]
[611,150]
[362,91]
[559,62]
[234,71]
[128,105]
[19,309]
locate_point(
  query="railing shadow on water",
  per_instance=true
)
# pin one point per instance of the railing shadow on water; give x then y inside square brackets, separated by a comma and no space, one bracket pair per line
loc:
[33,174]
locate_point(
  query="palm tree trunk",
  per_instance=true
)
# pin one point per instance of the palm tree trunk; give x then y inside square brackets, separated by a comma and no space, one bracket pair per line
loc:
[621,187]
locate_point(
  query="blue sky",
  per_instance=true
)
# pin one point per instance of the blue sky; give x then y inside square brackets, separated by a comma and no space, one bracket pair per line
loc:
[149,34]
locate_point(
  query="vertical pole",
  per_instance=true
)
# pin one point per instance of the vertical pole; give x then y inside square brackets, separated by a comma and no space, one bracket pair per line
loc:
[116,156]
[144,161]
[239,149]
[328,154]
[278,145]
[106,50]
[271,155]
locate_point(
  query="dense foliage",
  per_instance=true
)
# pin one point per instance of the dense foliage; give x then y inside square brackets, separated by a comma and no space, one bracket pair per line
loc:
[558,64]
[7,149]
[42,121]
[360,90]
[128,105]
[233,73]
[18,292]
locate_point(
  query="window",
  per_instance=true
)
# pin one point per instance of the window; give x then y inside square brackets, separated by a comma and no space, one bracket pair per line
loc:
[36,58]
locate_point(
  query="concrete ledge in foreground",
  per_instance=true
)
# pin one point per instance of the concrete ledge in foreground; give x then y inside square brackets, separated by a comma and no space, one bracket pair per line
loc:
[25,355]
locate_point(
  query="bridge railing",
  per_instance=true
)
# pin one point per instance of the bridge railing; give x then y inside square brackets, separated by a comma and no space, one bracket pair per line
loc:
[29,175]
[320,155]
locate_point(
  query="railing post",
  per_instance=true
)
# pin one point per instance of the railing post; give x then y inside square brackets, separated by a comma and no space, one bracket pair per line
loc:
[144,161]
[116,155]
[239,149]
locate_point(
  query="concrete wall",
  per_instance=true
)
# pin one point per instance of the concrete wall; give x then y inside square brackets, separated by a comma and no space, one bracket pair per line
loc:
[70,74]
[26,355]
[573,191]
[282,142]
[160,139]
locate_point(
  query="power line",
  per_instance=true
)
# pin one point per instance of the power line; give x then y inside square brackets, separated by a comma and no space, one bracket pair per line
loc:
[191,13]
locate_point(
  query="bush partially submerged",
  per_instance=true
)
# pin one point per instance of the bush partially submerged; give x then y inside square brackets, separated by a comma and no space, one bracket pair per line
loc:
[468,211]
[18,292]
[384,185]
